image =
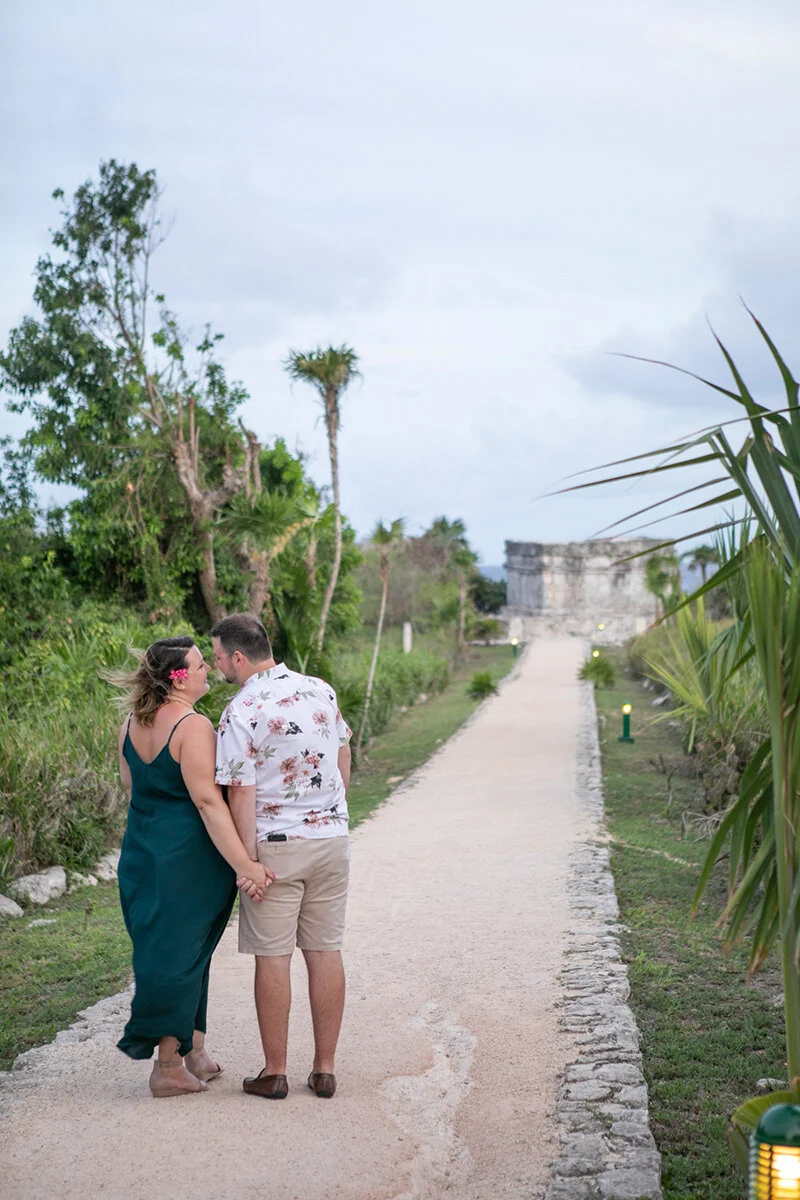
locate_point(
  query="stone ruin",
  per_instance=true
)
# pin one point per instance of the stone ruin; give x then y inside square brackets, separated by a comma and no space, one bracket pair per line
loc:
[575,587]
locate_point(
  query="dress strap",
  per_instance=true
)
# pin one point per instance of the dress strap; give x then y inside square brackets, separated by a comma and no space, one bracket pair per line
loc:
[177,723]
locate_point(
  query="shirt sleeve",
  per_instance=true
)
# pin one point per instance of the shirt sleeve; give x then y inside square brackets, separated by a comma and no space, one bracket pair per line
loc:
[236,753]
[343,730]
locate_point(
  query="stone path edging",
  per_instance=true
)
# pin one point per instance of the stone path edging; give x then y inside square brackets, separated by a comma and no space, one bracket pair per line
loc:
[607,1150]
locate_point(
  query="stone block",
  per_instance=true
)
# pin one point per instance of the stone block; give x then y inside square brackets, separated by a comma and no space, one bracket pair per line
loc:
[630,1183]
[106,868]
[40,888]
[78,880]
[10,908]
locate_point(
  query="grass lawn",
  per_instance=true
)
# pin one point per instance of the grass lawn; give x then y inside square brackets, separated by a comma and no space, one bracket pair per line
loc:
[49,972]
[708,1035]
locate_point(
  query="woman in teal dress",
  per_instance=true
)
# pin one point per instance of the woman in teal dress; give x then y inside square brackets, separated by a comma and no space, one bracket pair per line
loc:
[178,869]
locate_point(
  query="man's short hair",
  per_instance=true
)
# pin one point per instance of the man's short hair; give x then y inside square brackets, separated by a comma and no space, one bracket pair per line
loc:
[244,633]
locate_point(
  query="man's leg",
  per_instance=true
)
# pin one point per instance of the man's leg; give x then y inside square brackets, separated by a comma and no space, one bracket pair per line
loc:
[326,988]
[273,989]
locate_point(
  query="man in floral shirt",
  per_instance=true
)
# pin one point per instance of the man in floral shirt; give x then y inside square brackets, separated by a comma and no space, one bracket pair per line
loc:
[283,752]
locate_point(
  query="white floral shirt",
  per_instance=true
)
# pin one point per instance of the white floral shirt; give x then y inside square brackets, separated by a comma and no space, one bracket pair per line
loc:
[282,732]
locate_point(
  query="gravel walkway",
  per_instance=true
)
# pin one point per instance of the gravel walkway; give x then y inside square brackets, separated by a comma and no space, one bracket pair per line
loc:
[462,922]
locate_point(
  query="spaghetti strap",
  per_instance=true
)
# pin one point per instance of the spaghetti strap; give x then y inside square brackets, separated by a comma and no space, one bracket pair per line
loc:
[175,726]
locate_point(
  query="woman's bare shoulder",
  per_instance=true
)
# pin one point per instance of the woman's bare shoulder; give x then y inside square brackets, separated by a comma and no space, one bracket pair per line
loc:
[195,725]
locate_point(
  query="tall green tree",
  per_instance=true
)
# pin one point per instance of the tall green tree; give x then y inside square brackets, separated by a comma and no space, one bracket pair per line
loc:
[330,372]
[384,538]
[662,578]
[450,539]
[700,559]
[124,403]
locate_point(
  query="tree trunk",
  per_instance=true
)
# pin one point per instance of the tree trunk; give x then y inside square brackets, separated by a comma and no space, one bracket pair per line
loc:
[203,505]
[311,562]
[462,612]
[208,571]
[332,425]
[376,648]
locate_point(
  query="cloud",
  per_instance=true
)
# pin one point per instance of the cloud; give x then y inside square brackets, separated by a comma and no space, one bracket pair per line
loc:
[758,265]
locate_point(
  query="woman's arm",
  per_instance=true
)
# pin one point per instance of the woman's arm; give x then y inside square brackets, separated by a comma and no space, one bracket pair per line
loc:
[124,769]
[197,751]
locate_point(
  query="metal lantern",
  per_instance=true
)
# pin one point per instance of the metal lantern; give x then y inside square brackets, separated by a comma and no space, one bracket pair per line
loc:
[775,1155]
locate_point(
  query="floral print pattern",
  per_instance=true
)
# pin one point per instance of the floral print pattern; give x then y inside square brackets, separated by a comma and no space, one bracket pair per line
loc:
[282,733]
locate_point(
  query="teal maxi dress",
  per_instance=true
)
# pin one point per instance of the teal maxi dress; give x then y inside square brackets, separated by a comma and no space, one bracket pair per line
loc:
[177,893]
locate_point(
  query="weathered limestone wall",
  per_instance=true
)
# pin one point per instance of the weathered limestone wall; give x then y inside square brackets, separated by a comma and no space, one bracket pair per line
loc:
[573,587]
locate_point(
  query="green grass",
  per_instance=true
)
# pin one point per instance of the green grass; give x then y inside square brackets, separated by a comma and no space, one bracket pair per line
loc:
[708,1035]
[49,973]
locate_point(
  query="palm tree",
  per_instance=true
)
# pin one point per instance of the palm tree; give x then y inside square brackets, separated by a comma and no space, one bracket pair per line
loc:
[384,537]
[330,372]
[451,538]
[262,526]
[701,558]
[662,578]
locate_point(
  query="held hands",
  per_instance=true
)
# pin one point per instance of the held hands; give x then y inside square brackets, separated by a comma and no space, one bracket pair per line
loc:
[255,882]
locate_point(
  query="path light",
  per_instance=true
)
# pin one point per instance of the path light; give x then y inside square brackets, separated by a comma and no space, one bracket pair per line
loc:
[601,625]
[775,1155]
[595,654]
[626,733]
[515,646]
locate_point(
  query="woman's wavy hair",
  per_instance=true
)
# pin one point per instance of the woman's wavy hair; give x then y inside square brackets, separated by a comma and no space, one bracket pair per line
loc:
[150,685]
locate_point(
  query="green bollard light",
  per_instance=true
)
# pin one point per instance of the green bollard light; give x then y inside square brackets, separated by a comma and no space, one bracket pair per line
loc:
[515,646]
[626,724]
[775,1155]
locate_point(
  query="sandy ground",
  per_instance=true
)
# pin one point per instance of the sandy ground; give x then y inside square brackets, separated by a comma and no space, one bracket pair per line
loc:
[450,1050]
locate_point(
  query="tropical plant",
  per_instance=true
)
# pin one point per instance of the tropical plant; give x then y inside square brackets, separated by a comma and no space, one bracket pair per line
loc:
[662,578]
[481,686]
[700,559]
[330,372]
[262,525]
[599,671]
[761,831]
[124,405]
[450,539]
[384,537]
[487,595]
[721,709]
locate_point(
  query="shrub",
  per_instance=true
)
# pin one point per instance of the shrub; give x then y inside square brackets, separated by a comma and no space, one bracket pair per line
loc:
[60,796]
[481,685]
[599,671]
[399,680]
[485,629]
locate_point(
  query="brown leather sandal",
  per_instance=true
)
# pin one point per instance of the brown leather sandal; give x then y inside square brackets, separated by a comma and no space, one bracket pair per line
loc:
[322,1084]
[271,1087]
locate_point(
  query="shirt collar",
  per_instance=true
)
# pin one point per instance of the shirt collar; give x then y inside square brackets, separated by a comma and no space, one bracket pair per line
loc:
[261,677]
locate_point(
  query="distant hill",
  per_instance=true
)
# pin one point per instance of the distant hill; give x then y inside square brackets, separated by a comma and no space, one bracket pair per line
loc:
[496,573]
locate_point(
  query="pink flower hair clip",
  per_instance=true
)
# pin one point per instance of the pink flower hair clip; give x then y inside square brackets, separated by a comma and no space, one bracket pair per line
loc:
[181,673]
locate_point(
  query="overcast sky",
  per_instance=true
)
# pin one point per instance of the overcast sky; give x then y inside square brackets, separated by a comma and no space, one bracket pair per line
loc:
[483,199]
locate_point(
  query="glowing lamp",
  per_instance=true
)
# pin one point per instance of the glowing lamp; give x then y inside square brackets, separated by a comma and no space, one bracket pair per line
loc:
[601,625]
[595,654]
[626,724]
[775,1155]
[515,646]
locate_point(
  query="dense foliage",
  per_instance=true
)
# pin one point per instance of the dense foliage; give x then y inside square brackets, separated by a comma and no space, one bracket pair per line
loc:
[181,515]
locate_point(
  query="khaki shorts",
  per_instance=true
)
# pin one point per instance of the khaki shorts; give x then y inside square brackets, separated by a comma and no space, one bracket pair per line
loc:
[305,903]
